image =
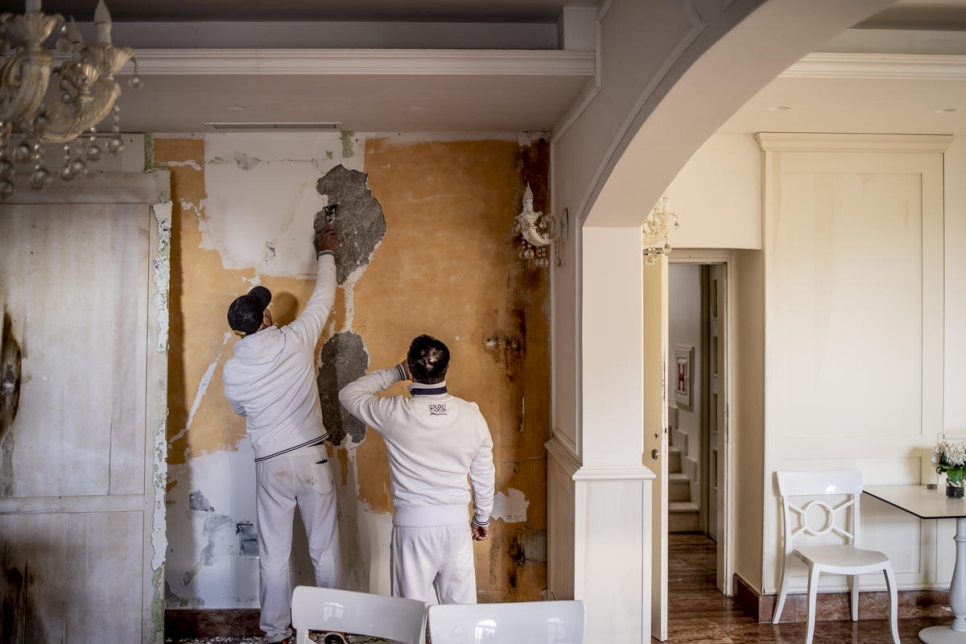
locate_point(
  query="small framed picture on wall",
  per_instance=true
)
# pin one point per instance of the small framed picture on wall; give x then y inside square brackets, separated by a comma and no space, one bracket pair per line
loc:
[682,379]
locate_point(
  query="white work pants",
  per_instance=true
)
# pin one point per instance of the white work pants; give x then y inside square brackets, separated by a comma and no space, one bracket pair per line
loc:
[282,482]
[439,557]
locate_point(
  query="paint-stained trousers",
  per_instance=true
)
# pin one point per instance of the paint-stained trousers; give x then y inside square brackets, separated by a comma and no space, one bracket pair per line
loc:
[302,477]
[436,558]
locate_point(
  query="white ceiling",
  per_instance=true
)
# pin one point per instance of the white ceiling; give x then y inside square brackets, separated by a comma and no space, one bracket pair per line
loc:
[490,65]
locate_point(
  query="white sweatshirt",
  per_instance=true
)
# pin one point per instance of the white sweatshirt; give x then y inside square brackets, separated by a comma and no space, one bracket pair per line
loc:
[433,441]
[272,378]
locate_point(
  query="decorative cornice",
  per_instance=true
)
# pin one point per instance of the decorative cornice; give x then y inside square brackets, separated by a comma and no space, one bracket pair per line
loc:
[879,66]
[777,141]
[335,62]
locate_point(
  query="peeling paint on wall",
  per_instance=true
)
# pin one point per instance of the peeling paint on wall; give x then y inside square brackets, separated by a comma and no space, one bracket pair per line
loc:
[162,271]
[203,387]
[452,202]
[250,200]
[359,220]
[343,359]
[212,556]
[511,507]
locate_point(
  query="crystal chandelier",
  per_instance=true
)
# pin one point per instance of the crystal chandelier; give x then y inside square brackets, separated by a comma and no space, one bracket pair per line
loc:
[654,231]
[87,93]
[538,230]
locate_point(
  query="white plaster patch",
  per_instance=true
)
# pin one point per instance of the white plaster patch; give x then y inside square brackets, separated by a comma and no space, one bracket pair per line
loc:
[273,201]
[203,387]
[159,539]
[511,507]
[349,288]
[162,271]
[194,165]
[224,578]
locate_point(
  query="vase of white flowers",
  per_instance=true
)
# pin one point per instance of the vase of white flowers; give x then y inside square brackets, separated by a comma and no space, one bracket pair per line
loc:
[949,457]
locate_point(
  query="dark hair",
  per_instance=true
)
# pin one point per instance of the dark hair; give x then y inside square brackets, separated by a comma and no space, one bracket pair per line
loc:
[246,313]
[428,360]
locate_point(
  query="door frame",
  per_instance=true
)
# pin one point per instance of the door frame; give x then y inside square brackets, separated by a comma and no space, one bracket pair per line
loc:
[726,551]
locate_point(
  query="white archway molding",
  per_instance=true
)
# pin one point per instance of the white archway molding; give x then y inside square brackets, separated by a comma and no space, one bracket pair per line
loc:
[707,84]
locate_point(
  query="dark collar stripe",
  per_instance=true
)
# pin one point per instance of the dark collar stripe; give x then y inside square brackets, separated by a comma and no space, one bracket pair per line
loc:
[419,391]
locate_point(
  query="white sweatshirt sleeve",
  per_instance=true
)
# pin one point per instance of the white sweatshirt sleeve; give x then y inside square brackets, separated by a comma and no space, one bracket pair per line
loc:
[360,399]
[308,325]
[483,480]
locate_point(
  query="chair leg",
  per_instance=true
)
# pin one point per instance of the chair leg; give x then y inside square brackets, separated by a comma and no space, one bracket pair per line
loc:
[813,575]
[893,602]
[854,596]
[782,594]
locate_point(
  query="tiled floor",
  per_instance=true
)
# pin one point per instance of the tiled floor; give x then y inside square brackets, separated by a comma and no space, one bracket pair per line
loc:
[698,613]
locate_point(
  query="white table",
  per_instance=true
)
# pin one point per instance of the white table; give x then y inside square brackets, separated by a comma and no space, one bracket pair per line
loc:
[928,503]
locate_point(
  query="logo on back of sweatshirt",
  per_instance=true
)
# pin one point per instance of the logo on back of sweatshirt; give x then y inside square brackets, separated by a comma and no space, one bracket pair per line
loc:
[436,409]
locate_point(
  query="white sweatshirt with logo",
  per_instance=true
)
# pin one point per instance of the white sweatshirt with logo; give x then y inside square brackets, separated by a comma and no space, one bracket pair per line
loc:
[272,378]
[433,440]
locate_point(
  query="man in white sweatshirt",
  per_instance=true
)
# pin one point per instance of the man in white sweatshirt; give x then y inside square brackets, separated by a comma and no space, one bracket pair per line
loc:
[271,380]
[433,441]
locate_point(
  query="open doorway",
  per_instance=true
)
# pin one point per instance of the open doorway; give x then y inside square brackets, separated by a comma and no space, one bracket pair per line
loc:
[698,395]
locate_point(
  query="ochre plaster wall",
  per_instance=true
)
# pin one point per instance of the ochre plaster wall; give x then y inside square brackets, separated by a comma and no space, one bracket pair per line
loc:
[446,266]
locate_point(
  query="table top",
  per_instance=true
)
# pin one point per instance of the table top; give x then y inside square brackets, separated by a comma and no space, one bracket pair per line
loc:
[919,500]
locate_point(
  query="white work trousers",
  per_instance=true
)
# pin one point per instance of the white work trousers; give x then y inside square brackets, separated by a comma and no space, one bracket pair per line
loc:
[302,477]
[439,557]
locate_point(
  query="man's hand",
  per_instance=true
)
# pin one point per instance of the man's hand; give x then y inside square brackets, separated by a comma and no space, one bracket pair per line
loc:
[326,239]
[480,532]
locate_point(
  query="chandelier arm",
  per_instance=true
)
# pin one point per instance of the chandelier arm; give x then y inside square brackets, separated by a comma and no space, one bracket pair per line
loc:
[25,78]
[65,124]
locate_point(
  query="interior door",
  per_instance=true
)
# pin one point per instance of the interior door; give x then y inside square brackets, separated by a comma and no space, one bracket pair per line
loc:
[79,504]
[718,416]
[656,432]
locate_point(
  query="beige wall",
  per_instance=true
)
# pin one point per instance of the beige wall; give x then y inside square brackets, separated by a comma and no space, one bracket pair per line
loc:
[447,265]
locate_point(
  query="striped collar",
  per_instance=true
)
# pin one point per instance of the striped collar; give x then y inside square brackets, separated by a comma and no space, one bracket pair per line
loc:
[417,389]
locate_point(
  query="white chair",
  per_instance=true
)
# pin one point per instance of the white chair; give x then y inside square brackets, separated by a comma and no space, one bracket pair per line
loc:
[329,610]
[838,518]
[546,622]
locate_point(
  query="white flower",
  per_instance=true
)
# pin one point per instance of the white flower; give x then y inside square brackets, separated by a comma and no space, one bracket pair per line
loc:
[949,454]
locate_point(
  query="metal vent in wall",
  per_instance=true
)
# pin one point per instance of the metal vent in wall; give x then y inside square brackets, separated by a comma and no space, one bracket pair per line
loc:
[274,126]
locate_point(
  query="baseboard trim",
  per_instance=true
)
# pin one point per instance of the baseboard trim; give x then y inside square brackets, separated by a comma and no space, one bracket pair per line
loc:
[835,606]
[183,623]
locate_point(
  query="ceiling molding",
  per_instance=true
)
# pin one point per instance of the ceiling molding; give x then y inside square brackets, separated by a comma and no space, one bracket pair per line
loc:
[778,141]
[365,62]
[879,66]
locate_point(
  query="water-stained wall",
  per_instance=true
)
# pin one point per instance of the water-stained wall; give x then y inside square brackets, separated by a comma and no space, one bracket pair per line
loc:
[426,246]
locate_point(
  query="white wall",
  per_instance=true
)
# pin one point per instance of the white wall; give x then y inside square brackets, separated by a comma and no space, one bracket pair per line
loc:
[954,384]
[853,326]
[717,195]
[684,329]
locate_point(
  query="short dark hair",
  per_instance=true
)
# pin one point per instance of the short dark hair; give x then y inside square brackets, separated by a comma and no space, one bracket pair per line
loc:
[247,312]
[428,360]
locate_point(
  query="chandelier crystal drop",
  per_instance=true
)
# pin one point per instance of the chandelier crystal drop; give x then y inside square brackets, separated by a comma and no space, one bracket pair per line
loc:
[654,231]
[83,94]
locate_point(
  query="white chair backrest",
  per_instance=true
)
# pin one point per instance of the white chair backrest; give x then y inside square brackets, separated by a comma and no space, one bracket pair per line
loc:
[817,516]
[546,622]
[327,609]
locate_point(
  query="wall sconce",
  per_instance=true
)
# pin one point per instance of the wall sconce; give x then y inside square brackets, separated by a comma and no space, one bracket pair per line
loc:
[538,230]
[654,231]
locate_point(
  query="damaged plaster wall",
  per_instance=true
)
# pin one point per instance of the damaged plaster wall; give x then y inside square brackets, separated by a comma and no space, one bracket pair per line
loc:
[425,246]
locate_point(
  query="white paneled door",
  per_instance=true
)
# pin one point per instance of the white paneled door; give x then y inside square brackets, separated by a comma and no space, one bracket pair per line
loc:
[78,495]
